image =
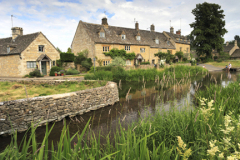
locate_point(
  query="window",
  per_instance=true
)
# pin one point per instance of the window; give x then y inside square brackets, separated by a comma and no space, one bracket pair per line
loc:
[157,41]
[105,63]
[41,48]
[102,34]
[123,36]
[105,48]
[180,48]
[142,50]
[31,64]
[168,43]
[127,48]
[138,38]
[8,49]
[153,61]
[187,50]
[53,62]
[128,62]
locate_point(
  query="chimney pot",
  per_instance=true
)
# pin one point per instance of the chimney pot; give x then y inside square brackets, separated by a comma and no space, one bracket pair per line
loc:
[152,28]
[235,43]
[172,30]
[178,32]
[104,22]
[227,43]
[136,26]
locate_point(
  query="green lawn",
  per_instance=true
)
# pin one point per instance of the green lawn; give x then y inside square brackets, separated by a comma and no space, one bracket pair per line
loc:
[12,90]
[235,63]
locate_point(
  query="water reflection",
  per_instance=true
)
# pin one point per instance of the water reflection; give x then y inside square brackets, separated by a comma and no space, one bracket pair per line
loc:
[143,99]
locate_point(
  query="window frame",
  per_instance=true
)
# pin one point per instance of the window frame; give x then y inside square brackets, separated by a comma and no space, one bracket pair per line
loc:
[138,38]
[41,48]
[157,41]
[128,62]
[106,48]
[127,48]
[123,36]
[102,34]
[142,50]
[31,64]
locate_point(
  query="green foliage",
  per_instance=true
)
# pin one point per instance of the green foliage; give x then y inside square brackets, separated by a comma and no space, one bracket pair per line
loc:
[72,72]
[35,73]
[67,57]
[224,56]
[208,28]
[54,69]
[145,63]
[118,61]
[113,53]
[219,60]
[165,55]
[82,59]
[119,73]
[179,54]
[87,63]
[184,59]
[69,50]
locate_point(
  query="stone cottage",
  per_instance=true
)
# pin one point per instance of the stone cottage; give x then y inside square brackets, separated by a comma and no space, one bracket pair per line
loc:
[99,38]
[21,54]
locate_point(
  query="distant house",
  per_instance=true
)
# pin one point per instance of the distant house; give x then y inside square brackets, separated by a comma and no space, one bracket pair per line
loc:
[232,49]
[100,38]
[21,54]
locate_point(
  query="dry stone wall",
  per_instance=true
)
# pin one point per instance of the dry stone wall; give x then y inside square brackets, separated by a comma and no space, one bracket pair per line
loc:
[18,114]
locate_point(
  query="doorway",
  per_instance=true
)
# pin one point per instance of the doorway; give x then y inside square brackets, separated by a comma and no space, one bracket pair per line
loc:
[44,67]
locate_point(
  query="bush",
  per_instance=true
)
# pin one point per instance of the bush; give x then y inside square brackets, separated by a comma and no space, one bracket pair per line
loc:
[54,69]
[105,68]
[219,60]
[215,57]
[145,63]
[184,59]
[72,72]
[67,57]
[118,61]
[87,63]
[119,73]
[35,73]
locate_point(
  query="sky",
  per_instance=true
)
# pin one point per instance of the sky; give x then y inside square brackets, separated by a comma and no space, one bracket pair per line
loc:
[58,19]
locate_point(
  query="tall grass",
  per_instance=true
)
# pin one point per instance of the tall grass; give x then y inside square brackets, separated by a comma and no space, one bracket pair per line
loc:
[118,73]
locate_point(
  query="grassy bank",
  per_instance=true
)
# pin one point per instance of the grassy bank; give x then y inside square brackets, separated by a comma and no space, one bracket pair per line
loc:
[118,73]
[12,90]
[211,131]
[235,63]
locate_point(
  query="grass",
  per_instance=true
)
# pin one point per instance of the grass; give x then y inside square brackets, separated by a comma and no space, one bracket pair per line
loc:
[211,131]
[12,90]
[235,63]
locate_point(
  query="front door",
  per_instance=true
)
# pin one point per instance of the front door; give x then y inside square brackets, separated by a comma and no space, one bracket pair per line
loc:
[44,67]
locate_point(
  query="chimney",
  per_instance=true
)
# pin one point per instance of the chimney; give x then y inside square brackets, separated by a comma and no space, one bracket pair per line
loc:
[104,22]
[172,30]
[235,44]
[227,43]
[152,28]
[136,26]
[16,31]
[178,32]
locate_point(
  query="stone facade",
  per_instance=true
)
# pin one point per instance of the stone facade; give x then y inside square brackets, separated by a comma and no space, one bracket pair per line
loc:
[19,114]
[10,66]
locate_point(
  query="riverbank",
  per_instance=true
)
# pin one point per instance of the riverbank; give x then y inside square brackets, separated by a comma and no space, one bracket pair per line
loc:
[235,64]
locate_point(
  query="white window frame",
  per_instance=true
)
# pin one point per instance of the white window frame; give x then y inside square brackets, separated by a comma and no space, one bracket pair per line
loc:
[31,64]
[157,41]
[142,50]
[127,48]
[41,48]
[168,43]
[128,62]
[105,48]
[8,49]
[123,36]
[102,34]
[138,38]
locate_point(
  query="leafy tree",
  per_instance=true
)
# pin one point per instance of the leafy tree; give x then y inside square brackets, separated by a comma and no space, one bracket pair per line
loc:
[82,59]
[69,50]
[59,50]
[118,61]
[161,55]
[168,56]
[179,54]
[208,28]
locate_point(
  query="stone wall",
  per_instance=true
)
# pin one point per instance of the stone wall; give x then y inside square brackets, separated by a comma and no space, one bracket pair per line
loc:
[68,65]
[20,113]
[9,66]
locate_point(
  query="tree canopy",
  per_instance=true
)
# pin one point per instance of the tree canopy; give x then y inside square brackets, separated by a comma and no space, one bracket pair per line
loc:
[208,28]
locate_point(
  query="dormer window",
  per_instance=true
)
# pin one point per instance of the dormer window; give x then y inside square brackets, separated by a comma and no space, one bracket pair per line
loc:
[168,43]
[102,34]
[8,49]
[123,36]
[157,41]
[138,38]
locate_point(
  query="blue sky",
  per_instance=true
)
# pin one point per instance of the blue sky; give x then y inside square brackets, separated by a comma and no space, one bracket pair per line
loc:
[58,19]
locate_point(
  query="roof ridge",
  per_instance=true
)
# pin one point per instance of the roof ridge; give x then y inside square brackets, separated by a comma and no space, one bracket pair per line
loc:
[21,35]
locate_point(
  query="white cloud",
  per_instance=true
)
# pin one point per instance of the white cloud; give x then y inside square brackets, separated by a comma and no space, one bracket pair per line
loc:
[58,20]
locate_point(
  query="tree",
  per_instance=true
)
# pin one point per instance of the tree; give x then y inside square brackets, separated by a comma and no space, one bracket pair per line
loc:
[179,54]
[118,61]
[208,28]
[161,55]
[69,50]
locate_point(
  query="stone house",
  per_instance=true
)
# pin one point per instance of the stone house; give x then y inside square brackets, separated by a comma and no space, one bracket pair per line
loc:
[21,54]
[99,38]
[232,49]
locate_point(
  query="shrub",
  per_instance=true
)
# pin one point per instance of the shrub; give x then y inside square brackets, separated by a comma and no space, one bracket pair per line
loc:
[215,57]
[87,63]
[72,72]
[145,63]
[118,61]
[67,57]
[54,69]
[35,73]
[184,59]
[119,73]
[219,60]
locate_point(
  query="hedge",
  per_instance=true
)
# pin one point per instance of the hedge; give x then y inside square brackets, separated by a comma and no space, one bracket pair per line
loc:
[67,57]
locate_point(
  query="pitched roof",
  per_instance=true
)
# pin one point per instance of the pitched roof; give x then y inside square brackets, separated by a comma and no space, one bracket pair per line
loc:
[19,44]
[236,54]
[228,47]
[113,36]
[176,37]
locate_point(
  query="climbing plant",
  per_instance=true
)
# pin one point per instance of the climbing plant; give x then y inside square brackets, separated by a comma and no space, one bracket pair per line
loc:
[120,53]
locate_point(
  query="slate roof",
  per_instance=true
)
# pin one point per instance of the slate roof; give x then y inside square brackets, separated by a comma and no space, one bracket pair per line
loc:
[228,48]
[19,44]
[176,37]
[113,36]
[43,56]
[236,54]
